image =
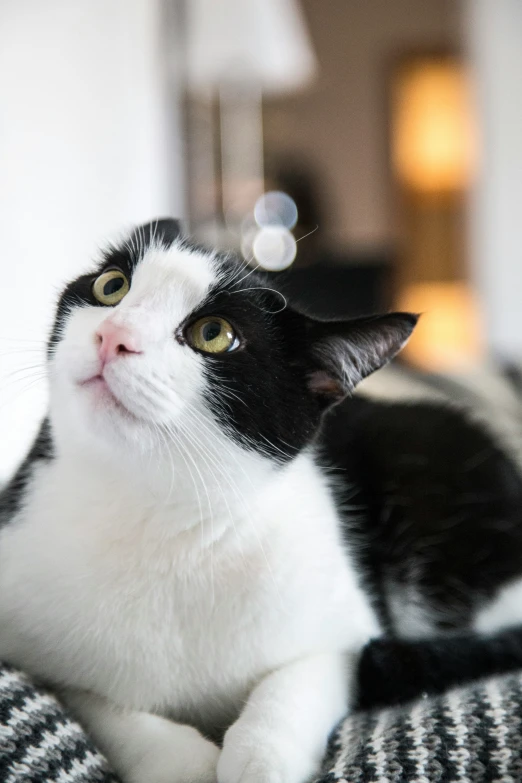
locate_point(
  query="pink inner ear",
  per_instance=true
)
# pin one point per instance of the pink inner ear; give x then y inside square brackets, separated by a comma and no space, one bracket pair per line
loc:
[322,383]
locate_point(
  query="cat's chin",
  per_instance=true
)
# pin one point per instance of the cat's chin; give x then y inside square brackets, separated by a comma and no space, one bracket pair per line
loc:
[104,397]
[105,408]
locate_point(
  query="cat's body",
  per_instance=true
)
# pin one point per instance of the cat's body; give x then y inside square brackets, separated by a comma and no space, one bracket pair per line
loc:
[186,542]
[125,604]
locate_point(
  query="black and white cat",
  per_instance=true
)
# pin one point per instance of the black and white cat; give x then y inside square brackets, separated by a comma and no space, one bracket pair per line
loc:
[194,555]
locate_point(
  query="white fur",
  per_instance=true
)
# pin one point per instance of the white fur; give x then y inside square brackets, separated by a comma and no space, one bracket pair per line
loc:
[157,567]
[410,615]
[503,611]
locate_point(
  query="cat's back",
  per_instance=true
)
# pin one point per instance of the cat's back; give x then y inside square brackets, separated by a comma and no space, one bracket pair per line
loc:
[441,531]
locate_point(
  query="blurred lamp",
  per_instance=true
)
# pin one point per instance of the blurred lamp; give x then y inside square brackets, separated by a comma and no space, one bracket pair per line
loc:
[433,139]
[237,51]
[448,336]
[258,43]
[433,154]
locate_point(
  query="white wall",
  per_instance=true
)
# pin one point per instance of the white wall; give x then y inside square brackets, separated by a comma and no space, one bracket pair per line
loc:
[89,143]
[495,40]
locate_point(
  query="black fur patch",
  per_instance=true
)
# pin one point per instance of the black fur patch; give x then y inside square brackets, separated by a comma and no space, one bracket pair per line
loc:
[265,393]
[259,392]
[393,671]
[11,497]
[443,505]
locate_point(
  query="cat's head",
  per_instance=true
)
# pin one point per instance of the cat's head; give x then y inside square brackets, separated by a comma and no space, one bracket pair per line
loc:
[165,345]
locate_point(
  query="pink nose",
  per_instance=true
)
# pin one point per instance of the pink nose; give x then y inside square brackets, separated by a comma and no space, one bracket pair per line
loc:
[114,340]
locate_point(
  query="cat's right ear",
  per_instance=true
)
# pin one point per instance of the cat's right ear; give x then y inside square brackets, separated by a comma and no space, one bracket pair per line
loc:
[345,352]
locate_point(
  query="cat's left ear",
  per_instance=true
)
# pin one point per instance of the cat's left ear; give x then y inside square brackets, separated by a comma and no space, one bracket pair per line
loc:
[165,231]
[345,352]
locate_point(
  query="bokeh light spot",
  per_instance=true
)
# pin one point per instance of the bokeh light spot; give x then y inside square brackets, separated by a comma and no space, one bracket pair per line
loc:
[274,248]
[275,209]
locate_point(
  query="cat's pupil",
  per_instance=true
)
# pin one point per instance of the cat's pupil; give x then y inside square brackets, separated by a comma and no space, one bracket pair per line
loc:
[111,286]
[211,330]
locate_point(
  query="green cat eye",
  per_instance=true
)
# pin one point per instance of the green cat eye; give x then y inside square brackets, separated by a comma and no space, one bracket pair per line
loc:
[212,335]
[110,287]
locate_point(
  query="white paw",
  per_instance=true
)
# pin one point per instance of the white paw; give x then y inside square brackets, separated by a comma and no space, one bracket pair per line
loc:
[256,755]
[179,756]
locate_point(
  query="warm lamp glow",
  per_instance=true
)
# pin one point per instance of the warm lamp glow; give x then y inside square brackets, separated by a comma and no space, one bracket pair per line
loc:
[434,144]
[448,336]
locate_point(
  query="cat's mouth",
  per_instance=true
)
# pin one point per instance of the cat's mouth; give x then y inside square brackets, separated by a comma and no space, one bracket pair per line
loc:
[104,394]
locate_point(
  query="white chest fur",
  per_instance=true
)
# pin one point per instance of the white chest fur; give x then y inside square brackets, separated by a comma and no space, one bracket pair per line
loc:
[102,592]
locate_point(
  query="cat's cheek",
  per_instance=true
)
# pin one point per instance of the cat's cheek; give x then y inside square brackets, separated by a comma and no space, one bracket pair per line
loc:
[75,357]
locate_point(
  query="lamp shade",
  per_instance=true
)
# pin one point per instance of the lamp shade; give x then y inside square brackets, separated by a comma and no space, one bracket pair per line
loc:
[263,43]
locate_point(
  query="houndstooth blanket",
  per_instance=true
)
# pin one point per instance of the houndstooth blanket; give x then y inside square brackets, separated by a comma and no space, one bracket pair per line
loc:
[471,735]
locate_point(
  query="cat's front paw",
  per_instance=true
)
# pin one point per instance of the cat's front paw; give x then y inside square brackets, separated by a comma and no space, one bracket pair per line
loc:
[253,754]
[185,757]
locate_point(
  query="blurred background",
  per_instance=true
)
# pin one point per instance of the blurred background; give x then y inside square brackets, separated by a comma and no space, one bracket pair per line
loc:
[367,152]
